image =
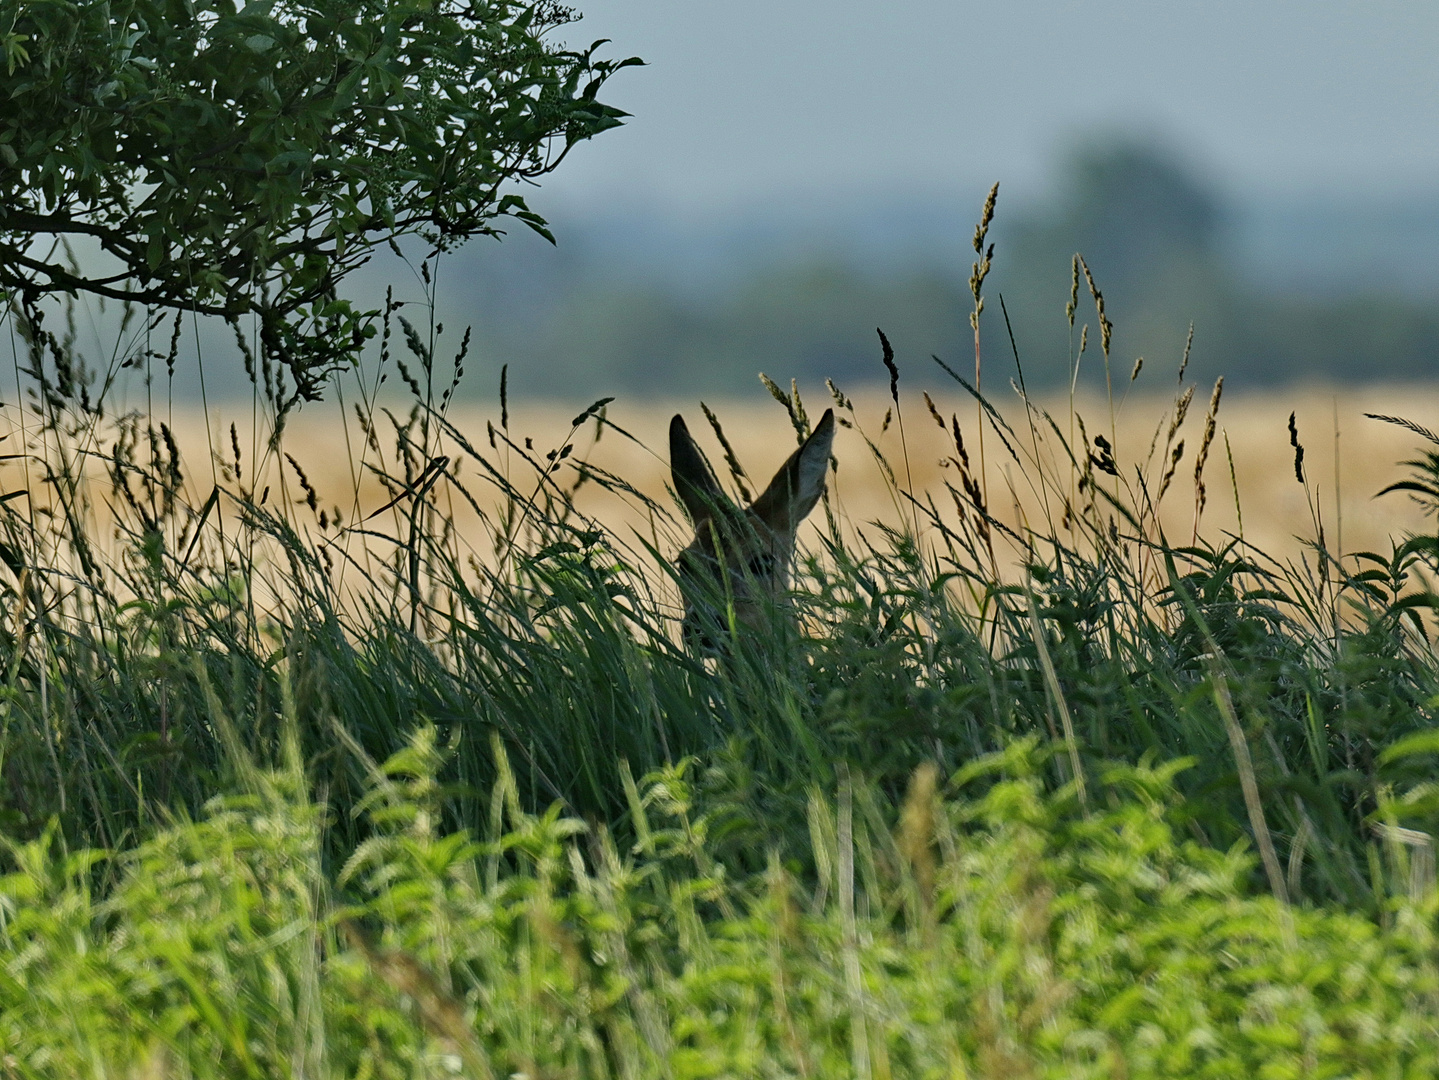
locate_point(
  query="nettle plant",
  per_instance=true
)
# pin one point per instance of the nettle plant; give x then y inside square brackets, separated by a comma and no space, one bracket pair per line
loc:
[239,160]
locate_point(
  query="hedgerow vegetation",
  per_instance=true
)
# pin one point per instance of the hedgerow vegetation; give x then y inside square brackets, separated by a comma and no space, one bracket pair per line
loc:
[1008,933]
[292,790]
[432,788]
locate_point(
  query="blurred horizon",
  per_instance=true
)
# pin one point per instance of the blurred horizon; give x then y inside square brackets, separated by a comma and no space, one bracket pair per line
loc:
[650,302]
[653,302]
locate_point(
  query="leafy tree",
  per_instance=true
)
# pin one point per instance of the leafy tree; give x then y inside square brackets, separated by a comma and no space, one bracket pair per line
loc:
[238,160]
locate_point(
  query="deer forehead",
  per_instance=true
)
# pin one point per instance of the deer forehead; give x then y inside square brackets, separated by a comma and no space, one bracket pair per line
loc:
[739,535]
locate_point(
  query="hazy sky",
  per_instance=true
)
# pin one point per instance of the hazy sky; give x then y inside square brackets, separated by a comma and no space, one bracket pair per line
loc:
[745,100]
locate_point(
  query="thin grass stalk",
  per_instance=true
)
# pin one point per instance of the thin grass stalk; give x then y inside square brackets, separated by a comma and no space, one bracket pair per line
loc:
[1248,783]
[1411,850]
[777,884]
[977,275]
[1056,699]
[853,976]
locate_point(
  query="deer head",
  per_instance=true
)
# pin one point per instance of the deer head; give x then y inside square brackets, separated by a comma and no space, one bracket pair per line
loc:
[739,559]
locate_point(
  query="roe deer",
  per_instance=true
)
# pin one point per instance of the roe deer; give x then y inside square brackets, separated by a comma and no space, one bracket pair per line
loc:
[737,566]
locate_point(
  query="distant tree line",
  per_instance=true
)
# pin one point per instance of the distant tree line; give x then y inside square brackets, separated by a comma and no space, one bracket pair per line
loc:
[1154,236]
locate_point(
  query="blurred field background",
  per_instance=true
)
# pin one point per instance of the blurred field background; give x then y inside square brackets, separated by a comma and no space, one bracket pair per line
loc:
[1349,458]
[1278,513]
[1324,305]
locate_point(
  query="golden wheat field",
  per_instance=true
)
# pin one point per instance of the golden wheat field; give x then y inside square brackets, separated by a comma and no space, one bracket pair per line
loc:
[1348,459]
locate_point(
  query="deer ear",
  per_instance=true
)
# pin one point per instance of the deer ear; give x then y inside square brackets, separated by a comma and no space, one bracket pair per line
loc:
[797,486]
[694,482]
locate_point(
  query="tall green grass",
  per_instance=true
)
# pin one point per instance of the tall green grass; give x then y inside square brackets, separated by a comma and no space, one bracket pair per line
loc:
[136,595]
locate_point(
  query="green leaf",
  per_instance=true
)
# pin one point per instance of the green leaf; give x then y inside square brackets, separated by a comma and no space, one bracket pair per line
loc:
[1421,742]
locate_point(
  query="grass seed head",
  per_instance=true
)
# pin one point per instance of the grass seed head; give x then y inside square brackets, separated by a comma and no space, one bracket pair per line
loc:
[1298,449]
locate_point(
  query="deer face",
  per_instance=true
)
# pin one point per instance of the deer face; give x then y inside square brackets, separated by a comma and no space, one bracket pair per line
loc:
[740,558]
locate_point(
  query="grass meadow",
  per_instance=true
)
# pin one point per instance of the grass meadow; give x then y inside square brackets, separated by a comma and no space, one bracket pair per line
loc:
[1100,741]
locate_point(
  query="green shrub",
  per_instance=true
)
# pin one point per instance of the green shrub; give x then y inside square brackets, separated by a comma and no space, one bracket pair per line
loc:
[1009,933]
[1302,691]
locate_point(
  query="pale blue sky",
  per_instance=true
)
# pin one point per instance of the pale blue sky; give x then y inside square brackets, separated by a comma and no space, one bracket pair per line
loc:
[749,100]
